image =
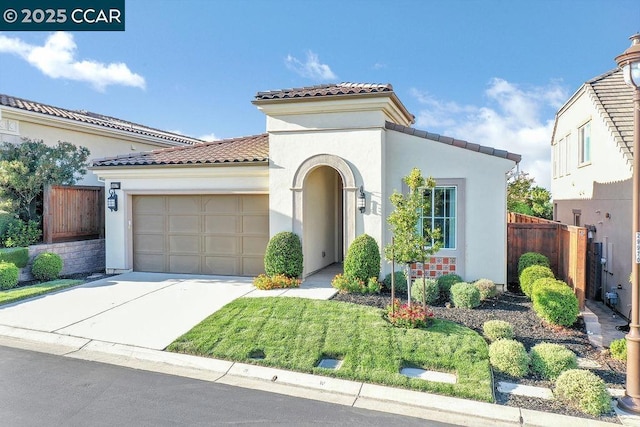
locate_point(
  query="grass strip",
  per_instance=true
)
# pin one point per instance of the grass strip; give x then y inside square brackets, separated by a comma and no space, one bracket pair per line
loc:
[295,333]
[17,294]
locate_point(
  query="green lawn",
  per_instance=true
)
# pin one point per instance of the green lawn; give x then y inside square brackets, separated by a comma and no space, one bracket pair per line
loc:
[296,333]
[17,294]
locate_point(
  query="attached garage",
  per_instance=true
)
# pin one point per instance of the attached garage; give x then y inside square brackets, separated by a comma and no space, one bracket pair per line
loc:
[200,234]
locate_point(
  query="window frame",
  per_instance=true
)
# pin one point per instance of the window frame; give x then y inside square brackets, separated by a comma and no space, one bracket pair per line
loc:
[433,218]
[584,144]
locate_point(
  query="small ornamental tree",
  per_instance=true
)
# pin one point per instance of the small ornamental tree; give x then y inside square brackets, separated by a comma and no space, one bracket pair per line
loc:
[408,244]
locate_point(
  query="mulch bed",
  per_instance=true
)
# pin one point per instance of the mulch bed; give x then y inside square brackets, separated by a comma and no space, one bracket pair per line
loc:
[530,330]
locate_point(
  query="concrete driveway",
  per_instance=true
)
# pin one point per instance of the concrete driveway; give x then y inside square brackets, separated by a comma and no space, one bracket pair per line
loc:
[143,309]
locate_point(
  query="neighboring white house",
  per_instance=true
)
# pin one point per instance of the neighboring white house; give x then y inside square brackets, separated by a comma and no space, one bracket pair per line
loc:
[591,178]
[211,207]
[102,135]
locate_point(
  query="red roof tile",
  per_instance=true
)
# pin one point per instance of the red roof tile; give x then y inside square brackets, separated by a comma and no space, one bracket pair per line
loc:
[248,149]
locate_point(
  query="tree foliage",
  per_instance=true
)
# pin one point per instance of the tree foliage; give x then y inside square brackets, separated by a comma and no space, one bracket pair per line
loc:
[27,167]
[524,197]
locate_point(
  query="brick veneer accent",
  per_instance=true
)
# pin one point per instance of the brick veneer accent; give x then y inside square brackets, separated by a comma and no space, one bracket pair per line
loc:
[85,256]
[435,267]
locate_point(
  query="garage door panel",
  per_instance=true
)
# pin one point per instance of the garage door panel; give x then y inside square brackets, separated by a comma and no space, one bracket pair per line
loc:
[200,234]
[222,265]
[186,244]
[221,245]
[221,224]
[184,223]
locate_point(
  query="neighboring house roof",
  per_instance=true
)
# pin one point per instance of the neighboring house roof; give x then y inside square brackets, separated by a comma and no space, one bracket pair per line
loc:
[255,149]
[614,101]
[247,149]
[94,119]
[455,142]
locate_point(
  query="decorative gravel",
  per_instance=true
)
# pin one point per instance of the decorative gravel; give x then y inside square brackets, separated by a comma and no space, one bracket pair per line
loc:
[530,330]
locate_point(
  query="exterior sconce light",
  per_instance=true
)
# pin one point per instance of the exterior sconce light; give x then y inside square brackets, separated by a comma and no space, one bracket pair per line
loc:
[112,200]
[362,200]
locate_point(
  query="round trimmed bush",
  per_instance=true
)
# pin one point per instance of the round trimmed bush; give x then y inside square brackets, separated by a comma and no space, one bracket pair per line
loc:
[618,349]
[531,258]
[432,291]
[363,258]
[465,295]
[549,360]
[583,390]
[446,281]
[9,275]
[531,274]
[510,357]
[497,329]
[555,302]
[283,255]
[46,266]
[486,287]
[400,281]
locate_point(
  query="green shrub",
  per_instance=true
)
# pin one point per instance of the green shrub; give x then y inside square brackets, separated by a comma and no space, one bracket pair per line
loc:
[283,255]
[46,266]
[531,274]
[618,349]
[9,275]
[17,256]
[465,295]
[5,219]
[497,329]
[22,234]
[549,360]
[400,281]
[510,357]
[583,390]
[363,258]
[531,258]
[432,292]
[486,287]
[555,302]
[446,281]
[279,281]
[351,285]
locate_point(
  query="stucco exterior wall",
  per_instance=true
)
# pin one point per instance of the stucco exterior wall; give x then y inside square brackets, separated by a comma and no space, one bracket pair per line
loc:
[607,163]
[177,180]
[483,209]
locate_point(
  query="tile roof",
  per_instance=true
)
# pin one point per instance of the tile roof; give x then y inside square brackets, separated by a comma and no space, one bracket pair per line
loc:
[95,119]
[614,99]
[325,90]
[247,149]
[455,142]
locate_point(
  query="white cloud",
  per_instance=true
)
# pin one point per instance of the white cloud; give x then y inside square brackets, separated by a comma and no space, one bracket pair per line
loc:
[209,137]
[519,120]
[56,59]
[312,68]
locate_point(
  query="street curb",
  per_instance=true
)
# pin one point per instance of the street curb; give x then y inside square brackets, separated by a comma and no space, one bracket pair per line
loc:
[334,390]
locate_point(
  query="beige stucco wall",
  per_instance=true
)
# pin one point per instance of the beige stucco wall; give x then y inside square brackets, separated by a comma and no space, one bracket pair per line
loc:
[168,180]
[101,142]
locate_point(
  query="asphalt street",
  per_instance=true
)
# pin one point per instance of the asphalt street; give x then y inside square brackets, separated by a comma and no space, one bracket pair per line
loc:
[42,389]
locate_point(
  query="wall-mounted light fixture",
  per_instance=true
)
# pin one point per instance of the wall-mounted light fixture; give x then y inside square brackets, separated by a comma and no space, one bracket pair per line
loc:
[112,200]
[362,200]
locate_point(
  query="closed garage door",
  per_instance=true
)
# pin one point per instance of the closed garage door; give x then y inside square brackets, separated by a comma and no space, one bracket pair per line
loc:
[200,234]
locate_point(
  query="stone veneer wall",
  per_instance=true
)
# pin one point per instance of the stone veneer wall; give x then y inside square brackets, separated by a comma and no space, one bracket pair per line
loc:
[84,256]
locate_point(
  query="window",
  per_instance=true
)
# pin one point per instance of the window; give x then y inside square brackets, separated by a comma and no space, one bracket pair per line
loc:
[440,214]
[584,136]
[555,160]
[570,155]
[562,148]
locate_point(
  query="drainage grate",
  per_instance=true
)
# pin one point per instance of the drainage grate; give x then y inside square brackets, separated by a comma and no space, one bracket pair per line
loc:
[257,355]
[440,377]
[333,364]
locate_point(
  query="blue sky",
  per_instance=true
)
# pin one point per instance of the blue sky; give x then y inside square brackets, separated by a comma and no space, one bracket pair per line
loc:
[491,72]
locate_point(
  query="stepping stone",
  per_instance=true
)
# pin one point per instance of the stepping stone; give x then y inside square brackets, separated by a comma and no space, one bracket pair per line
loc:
[439,377]
[588,363]
[525,390]
[616,392]
[330,364]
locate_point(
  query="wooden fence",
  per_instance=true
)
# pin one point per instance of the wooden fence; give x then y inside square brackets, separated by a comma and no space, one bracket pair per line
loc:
[72,213]
[564,245]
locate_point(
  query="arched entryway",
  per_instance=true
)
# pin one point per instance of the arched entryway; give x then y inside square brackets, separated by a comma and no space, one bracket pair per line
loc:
[324,210]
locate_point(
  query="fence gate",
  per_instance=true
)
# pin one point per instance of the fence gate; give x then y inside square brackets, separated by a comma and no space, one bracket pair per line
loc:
[594,271]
